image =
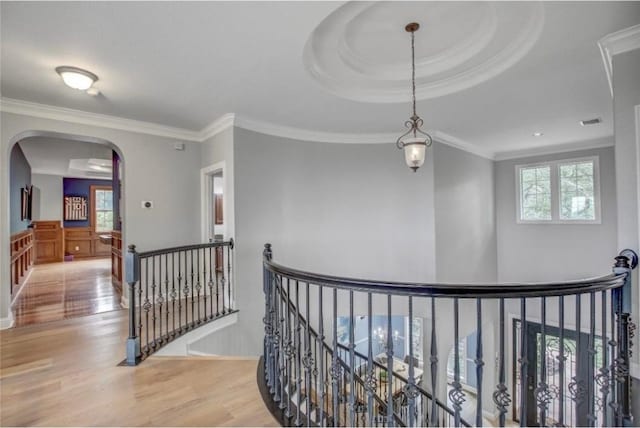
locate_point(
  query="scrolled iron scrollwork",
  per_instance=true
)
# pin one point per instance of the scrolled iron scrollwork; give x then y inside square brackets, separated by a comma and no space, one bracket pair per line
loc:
[501,397]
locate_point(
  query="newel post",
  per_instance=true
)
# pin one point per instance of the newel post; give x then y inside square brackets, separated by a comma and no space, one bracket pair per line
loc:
[132,266]
[625,263]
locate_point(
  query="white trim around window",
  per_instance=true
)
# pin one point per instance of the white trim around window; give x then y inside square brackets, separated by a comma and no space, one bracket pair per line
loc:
[555,191]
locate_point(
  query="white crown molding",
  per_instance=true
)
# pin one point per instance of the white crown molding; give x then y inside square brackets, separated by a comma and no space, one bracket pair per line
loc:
[43,111]
[625,40]
[556,148]
[219,125]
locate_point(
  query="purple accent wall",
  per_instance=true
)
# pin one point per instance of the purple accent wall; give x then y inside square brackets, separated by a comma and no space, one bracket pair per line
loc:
[80,187]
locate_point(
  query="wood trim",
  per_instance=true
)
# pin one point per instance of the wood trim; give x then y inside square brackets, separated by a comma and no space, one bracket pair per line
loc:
[84,243]
[48,241]
[21,246]
[92,204]
[116,259]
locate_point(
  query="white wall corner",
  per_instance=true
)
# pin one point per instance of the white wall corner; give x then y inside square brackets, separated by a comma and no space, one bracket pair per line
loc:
[7,322]
[625,40]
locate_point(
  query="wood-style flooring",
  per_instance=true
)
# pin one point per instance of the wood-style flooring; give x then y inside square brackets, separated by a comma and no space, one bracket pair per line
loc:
[65,373]
[57,291]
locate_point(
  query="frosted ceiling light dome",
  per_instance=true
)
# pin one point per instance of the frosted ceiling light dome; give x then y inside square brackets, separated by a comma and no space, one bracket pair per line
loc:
[76,78]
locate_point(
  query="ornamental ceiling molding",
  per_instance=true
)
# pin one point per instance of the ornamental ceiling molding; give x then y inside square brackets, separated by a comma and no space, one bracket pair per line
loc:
[625,40]
[491,38]
[229,120]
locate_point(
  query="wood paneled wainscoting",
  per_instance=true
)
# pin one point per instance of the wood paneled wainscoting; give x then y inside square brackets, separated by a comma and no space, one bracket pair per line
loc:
[21,256]
[84,242]
[116,259]
[48,241]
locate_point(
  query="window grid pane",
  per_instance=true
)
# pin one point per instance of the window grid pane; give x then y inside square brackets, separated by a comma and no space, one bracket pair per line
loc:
[577,195]
[535,191]
[104,210]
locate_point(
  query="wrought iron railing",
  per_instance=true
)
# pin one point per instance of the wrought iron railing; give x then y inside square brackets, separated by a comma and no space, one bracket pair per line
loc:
[316,376]
[175,290]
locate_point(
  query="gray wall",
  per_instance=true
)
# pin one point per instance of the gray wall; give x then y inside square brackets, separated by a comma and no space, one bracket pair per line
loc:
[464,216]
[353,210]
[20,178]
[544,252]
[48,204]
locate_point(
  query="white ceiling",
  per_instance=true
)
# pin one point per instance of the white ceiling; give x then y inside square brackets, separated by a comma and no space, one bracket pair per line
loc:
[186,64]
[51,156]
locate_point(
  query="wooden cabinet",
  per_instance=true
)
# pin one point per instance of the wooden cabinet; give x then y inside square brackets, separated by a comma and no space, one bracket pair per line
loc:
[48,241]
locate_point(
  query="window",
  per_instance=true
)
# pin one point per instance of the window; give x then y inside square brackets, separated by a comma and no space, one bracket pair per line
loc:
[103,210]
[565,191]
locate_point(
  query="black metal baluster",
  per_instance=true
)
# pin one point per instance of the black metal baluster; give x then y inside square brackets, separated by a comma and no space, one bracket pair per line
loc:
[561,365]
[173,294]
[591,415]
[282,302]
[298,359]
[147,305]
[141,303]
[371,382]
[223,283]
[153,300]
[434,365]
[613,402]
[410,388]
[193,302]
[455,394]
[542,391]
[479,362]
[576,386]
[217,282]
[390,421]
[308,357]
[335,367]
[166,293]
[180,291]
[501,396]
[198,286]
[524,363]
[289,349]
[277,336]
[623,297]
[603,377]
[321,356]
[352,347]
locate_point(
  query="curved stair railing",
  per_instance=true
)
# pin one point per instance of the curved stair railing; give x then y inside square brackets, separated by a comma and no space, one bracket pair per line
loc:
[175,290]
[315,376]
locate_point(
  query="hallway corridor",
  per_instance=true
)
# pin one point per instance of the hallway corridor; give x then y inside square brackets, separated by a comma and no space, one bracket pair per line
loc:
[59,291]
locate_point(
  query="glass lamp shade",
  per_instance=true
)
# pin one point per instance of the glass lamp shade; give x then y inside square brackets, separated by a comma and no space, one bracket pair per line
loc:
[77,78]
[414,152]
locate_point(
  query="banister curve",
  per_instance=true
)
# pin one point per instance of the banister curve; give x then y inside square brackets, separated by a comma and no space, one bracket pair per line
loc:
[507,290]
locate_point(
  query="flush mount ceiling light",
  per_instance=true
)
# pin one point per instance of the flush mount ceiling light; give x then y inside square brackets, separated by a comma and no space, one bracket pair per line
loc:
[76,78]
[537,134]
[415,141]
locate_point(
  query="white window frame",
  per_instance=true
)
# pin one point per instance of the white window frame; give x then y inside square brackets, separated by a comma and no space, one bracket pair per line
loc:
[555,191]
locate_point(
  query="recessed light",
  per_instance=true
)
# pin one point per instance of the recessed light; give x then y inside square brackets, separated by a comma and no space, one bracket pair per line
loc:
[538,134]
[76,78]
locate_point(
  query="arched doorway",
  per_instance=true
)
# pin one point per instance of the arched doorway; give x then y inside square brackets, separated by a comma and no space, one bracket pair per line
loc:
[65,226]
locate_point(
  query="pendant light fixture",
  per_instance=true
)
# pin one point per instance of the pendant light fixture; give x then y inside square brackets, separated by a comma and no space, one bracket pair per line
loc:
[415,141]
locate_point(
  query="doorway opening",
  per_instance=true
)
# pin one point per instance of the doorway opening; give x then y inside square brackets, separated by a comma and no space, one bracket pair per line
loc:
[65,228]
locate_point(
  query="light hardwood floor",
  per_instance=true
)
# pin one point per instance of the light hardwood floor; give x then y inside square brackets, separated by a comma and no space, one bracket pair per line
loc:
[58,291]
[65,373]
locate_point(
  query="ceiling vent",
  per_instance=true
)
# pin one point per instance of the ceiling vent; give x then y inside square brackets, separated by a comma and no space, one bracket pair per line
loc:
[588,122]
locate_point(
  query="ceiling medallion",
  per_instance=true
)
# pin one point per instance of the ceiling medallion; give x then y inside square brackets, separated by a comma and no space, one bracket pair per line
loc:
[415,141]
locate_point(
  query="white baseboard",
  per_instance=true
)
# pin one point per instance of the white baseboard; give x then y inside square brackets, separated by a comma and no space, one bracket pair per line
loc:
[6,322]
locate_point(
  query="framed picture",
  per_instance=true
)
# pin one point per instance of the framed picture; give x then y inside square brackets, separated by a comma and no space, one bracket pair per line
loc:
[24,204]
[75,208]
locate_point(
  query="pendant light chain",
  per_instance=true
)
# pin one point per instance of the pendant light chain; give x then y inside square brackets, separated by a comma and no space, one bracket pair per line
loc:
[413,72]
